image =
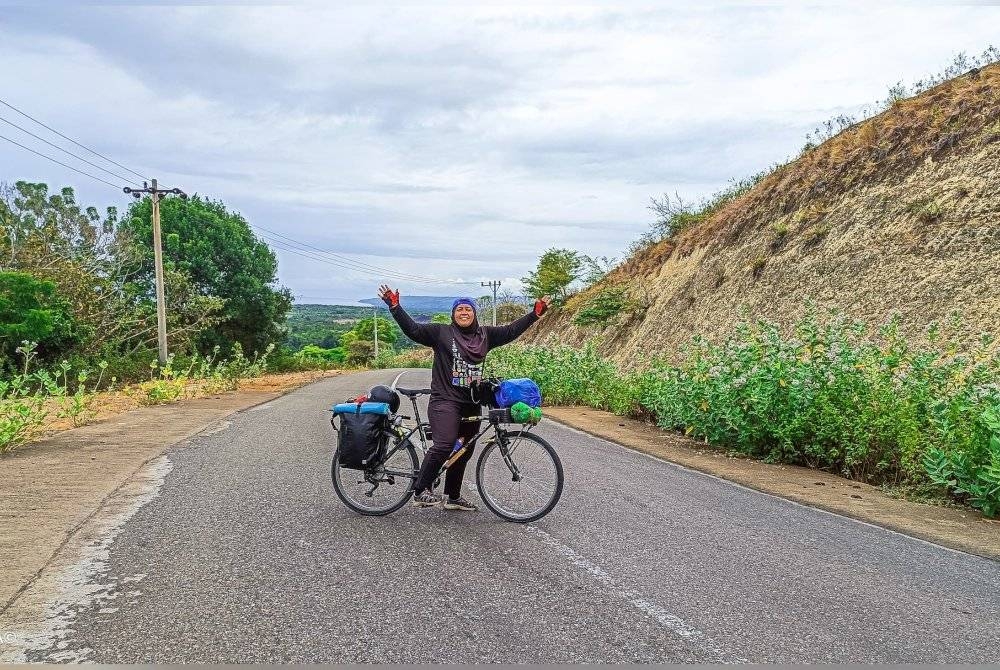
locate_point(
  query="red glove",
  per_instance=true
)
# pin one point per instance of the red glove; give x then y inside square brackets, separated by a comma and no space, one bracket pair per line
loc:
[540,307]
[390,297]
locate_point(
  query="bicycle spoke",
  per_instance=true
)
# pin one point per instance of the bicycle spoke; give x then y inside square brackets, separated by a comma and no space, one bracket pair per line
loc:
[381,489]
[535,487]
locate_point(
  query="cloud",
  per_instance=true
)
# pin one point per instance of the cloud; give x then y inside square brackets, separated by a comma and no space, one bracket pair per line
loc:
[450,142]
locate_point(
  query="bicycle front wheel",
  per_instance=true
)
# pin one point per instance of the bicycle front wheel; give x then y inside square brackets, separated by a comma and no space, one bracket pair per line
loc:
[519,476]
[381,489]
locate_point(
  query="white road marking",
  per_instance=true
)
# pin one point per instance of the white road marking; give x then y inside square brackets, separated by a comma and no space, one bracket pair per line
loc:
[669,621]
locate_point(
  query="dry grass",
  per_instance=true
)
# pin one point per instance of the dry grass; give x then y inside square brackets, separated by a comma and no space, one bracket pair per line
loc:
[955,115]
[112,403]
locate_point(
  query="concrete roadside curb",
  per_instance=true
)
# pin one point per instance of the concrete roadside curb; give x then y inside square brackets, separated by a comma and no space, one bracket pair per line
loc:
[54,487]
[960,529]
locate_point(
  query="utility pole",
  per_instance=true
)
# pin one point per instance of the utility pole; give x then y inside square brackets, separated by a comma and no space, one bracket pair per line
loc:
[161,305]
[494,285]
[375,321]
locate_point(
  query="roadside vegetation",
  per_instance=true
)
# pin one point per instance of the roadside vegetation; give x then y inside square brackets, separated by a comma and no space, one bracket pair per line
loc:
[831,395]
[32,396]
[828,393]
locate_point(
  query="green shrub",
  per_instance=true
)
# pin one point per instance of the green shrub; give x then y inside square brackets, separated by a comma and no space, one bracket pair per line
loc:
[927,210]
[23,400]
[603,307]
[32,310]
[828,395]
[568,376]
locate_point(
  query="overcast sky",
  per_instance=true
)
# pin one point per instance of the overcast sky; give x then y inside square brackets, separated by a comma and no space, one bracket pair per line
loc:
[444,142]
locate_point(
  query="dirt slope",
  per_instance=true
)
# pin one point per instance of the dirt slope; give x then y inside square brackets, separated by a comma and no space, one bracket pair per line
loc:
[899,214]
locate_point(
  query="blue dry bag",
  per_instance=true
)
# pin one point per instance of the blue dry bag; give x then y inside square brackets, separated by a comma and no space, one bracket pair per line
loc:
[363,433]
[518,390]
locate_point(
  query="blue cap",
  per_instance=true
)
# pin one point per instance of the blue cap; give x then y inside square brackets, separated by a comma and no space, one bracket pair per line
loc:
[463,301]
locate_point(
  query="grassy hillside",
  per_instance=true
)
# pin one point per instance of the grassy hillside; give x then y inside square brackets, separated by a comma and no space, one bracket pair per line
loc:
[899,214]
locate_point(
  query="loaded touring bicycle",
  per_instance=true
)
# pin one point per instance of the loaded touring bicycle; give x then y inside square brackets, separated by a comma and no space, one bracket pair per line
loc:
[518,474]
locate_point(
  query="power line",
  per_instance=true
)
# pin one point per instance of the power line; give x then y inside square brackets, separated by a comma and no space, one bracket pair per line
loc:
[86,174]
[81,158]
[70,139]
[285,246]
[365,267]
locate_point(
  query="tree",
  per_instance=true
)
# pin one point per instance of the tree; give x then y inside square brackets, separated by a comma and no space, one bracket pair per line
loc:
[31,309]
[510,311]
[93,263]
[360,352]
[510,307]
[557,269]
[330,355]
[441,317]
[223,258]
[388,333]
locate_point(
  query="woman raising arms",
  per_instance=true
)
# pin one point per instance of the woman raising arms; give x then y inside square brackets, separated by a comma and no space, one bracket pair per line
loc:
[459,351]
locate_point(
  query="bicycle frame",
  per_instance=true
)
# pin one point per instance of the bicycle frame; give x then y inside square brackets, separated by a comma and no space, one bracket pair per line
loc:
[421,429]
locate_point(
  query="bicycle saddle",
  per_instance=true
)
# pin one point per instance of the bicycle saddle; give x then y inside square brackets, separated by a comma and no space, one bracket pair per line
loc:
[412,393]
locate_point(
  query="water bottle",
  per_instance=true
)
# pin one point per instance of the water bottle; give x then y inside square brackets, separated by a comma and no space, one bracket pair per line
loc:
[456,452]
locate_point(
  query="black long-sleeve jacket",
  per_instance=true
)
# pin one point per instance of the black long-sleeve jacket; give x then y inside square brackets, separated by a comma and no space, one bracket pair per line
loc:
[452,375]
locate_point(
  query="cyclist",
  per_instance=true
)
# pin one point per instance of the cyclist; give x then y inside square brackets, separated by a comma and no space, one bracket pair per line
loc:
[459,351]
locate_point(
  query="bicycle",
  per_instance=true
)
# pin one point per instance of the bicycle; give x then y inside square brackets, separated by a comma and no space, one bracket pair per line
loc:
[502,471]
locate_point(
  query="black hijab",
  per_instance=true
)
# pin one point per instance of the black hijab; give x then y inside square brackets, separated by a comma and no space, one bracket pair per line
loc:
[470,340]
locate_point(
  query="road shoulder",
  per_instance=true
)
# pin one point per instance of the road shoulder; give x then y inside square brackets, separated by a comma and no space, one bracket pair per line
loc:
[964,530]
[51,488]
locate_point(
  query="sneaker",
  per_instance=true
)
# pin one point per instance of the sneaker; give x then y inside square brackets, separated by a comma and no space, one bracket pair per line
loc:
[426,499]
[459,503]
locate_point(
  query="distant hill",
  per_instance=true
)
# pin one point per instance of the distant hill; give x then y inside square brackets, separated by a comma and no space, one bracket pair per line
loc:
[418,304]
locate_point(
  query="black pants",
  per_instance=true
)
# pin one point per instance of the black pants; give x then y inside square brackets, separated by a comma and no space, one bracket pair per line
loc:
[446,427]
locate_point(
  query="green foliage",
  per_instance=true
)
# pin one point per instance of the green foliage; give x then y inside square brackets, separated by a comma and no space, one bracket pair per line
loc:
[927,210]
[567,376]
[829,395]
[360,352]
[557,269]
[22,401]
[27,397]
[388,331]
[607,304]
[441,317]
[94,263]
[32,310]
[977,479]
[208,374]
[333,355]
[321,325]
[217,250]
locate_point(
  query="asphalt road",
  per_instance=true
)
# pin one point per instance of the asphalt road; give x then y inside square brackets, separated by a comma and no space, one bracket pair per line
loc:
[246,555]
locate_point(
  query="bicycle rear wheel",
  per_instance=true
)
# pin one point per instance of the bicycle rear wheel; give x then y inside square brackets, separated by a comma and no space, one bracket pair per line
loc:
[381,489]
[519,476]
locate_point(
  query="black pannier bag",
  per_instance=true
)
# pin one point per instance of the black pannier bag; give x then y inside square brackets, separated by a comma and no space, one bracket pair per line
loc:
[363,433]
